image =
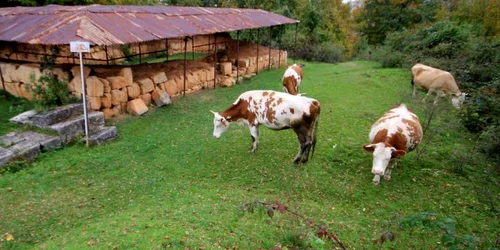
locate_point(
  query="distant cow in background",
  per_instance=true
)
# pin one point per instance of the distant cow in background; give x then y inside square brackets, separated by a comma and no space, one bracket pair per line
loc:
[292,79]
[392,136]
[277,111]
[436,80]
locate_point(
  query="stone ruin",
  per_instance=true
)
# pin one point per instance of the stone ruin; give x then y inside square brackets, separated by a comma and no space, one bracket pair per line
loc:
[116,89]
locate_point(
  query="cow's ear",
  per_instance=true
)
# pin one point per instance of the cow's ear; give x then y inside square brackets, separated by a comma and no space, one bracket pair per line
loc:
[369,147]
[398,153]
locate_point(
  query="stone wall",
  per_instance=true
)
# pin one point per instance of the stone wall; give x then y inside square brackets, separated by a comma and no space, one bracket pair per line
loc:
[118,89]
[35,53]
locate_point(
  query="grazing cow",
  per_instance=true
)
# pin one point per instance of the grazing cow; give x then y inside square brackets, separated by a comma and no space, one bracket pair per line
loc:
[292,79]
[277,111]
[392,136]
[436,80]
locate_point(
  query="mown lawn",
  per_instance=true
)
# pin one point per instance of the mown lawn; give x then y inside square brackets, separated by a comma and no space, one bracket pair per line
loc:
[167,183]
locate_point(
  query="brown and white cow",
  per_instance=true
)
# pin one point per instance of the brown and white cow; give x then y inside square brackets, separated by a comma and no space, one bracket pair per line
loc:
[277,111]
[436,80]
[292,79]
[392,136]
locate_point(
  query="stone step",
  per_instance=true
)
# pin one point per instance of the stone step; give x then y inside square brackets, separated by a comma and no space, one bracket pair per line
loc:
[5,156]
[101,135]
[24,118]
[59,114]
[26,145]
[75,126]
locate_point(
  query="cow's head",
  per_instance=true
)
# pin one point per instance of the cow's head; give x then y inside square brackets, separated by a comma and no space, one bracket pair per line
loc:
[382,154]
[457,101]
[220,124]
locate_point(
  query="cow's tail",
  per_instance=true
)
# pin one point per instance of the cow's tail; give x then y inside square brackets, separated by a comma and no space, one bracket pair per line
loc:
[315,132]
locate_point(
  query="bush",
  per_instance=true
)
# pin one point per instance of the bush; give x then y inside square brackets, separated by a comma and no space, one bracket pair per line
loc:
[51,92]
[325,52]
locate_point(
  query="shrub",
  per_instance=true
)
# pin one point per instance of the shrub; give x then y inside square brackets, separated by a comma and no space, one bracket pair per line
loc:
[51,92]
[325,52]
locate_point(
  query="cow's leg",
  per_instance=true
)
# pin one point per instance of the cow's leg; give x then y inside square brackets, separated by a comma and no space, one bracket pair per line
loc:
[376,179]
[390,166]
[414,91]
[428,93]
[254,132]
[308,145]
[301,132]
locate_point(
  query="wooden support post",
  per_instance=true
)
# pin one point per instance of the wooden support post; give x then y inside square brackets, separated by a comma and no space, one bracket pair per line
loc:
[107,57]
[269,59]
[166,47]
[140,54]
[3,86]
[258,45]
[279,45]
[185,63]
[192,47]
[237,56]
[215,60]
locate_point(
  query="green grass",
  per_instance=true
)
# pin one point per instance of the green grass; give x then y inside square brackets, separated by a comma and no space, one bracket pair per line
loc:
[166,182]
[8,109]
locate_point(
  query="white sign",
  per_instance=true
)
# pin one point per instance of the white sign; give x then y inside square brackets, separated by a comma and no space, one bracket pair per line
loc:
[79,46]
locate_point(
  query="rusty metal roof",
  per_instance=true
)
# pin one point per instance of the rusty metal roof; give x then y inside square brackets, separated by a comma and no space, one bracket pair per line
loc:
[108,25]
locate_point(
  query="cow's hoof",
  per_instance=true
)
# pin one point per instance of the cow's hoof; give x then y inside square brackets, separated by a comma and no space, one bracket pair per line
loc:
[376,182]
[387,177]
[296,161]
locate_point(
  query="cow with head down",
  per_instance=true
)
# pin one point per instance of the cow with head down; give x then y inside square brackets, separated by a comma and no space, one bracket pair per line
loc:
[292,79]
[436,80]
[392,136]
[277,111]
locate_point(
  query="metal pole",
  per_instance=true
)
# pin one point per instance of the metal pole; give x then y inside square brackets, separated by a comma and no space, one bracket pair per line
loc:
[237,56]
[107,58]
[84,102]
[185,63]
[269,65]
[192,47]
[295,43]
[258,45]
[140,54]
[166,47]
[215,59]
[3,85]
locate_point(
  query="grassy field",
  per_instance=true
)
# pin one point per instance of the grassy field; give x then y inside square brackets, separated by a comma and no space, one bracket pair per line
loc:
[167,183]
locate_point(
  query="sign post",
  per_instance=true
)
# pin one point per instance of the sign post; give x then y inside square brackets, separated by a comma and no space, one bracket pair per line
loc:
[82,47]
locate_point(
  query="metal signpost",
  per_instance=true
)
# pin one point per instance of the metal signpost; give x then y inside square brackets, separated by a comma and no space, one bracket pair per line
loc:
[82,47]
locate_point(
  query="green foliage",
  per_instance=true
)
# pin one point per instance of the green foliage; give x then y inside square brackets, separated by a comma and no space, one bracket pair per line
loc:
[428,221]
[51,92]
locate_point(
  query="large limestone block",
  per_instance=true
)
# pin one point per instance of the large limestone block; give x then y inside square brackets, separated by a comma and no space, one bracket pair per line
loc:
[127,74]
[226,68]
[95,87]
[133,91]
[146,98]
[192,80]
[76,85]
[106,85]
[94,102]
[76,71]
[25,90]
[161,98]
[110,112]
[118,82]
[118,97]
[147,85]
[227,82]
[171,87]
[12,88]
[27,73]
[159,77]
[106,100]
[136,107]
[243,63]
[8,69]
[210,74]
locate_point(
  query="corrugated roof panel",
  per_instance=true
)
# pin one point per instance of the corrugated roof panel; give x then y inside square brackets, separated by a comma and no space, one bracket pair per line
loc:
[107,25]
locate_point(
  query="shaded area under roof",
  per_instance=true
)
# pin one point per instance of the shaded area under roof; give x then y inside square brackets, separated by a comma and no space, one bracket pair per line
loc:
[108,25]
